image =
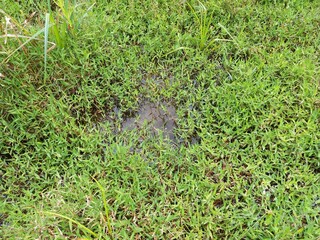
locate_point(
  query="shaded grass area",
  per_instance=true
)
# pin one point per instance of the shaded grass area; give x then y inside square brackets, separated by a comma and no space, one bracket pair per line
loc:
[248,90]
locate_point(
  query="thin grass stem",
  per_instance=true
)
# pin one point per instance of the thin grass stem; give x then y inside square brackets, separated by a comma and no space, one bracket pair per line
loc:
[47,26]
[105,205]
[82,227]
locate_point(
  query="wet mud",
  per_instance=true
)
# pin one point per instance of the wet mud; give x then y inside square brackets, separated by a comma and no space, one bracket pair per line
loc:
[158,118]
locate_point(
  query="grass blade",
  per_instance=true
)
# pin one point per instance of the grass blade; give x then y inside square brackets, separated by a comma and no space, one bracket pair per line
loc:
[225,29]
[82,227]
[46,31]
[22,45]
[105,205]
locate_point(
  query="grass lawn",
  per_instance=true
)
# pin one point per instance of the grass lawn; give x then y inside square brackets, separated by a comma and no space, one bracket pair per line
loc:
[160,119]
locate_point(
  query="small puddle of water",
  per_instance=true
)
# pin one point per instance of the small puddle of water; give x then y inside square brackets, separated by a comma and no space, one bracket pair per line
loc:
[156,117]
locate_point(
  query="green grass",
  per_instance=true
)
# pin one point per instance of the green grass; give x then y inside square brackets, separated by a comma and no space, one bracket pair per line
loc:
[244,78]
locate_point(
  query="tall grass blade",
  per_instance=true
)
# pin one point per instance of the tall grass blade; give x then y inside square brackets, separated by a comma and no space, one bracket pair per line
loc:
[46,31]
[105,205]
[82,227]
